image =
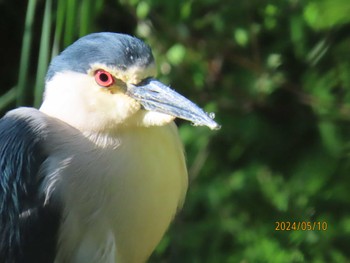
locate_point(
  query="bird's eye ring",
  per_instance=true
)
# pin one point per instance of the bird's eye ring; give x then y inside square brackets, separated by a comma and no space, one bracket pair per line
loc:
[104,78]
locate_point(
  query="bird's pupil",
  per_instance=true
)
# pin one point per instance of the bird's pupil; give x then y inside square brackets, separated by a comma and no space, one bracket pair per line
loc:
[104,77]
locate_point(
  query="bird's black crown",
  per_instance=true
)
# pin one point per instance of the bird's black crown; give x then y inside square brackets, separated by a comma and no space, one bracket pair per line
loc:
[112,49]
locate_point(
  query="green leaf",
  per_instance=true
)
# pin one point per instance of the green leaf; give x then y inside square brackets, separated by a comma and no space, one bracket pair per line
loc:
[324,14]
[241,36]
[176,54]
[142,10]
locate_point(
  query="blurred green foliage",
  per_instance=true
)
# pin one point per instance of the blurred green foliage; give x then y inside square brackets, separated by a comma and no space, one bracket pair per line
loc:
[277,75]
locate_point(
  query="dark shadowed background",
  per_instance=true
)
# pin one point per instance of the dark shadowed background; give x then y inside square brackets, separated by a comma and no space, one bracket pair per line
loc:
[277,75]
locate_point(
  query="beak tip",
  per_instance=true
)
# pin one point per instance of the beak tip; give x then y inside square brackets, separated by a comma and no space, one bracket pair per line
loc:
[206,119]
[213,125]
[216,127]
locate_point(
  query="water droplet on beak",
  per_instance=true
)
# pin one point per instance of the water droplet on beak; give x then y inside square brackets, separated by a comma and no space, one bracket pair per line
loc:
[211,115]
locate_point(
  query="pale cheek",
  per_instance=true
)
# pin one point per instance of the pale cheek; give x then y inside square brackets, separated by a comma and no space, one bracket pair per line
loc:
[124,106]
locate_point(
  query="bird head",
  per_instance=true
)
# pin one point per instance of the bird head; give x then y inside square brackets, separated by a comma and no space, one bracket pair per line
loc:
[105,81]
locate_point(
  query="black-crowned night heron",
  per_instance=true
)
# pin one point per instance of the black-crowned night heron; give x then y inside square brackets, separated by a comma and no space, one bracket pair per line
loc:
[98,172]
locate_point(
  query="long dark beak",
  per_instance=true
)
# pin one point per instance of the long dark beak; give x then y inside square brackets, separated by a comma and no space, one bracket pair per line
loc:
[155,96]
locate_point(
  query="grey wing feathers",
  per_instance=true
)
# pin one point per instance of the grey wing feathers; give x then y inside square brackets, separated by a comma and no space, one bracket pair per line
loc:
[28,227]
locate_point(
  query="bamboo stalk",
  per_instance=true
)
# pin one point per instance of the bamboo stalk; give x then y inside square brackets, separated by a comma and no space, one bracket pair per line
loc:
[44,52]
[22,90]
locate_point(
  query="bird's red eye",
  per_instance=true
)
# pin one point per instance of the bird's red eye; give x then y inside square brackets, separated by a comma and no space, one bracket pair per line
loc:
[104,78]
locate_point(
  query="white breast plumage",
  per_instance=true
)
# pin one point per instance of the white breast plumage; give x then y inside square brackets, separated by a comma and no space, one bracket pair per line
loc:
[140,172]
